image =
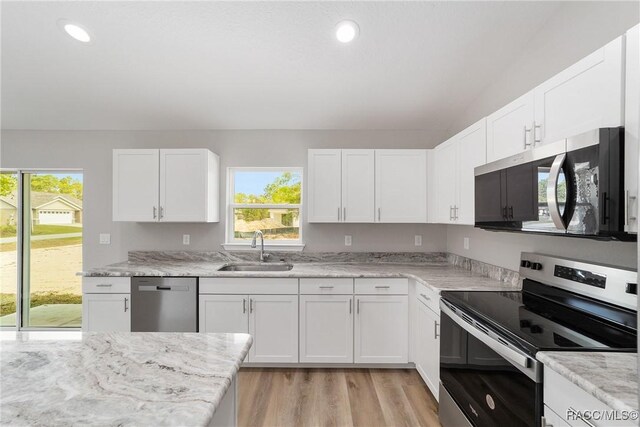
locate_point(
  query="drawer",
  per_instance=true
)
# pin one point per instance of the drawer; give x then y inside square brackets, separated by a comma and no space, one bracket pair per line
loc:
[326,286]
[106,285]
[428,296]
[381,286]
[256,286]
[564,397]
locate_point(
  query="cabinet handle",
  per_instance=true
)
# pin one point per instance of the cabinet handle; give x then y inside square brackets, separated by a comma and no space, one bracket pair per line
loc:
[244,305]
[455,212]
[339,217]
[504,213]
[627,200]
[344,214]
[326,287]
[383,287]
[250,305]
[161,213]
[350,304]
[450,213]
[155,212]
[435,330]
[510,212]
[104,285]
[378,214]
[526,131]
[358,306]
[535,139]
[579,416]
[126,307]
[425,297]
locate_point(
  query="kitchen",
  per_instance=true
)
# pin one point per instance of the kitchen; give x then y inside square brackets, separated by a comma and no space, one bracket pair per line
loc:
[315,192]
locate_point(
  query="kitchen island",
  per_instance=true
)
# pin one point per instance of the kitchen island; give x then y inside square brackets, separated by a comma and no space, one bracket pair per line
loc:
[73,378]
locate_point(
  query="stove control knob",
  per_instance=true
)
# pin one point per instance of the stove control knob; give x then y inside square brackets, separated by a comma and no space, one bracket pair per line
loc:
[536,266]
[535,329]
[526,264]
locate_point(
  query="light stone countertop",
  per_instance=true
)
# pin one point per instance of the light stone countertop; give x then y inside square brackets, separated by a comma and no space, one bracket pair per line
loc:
[438,275]
[611,377]
[80,378]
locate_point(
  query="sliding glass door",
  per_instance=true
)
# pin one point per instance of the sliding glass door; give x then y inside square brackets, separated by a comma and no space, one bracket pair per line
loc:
[47,250]
[8,248]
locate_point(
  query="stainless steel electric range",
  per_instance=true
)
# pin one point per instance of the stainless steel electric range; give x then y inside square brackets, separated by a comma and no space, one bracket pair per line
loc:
[489,375]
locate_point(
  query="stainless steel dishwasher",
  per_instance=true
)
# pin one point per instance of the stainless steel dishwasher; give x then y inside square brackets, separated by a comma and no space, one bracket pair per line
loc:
[164,304]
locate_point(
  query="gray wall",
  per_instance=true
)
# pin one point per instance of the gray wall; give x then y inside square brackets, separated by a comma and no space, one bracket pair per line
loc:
[503,249]
[91,151]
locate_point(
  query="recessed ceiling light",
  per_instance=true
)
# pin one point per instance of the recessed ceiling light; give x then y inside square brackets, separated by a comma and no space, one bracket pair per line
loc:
[346,31]
[74,30]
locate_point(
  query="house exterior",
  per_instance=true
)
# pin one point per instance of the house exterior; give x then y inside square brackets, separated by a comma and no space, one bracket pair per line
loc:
[47,208]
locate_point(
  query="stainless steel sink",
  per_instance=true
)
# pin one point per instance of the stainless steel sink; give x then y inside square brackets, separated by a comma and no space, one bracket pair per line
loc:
[257,267]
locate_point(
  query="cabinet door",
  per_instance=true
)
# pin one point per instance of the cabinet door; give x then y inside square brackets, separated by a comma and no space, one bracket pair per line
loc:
[428,347]
[326,329]
[490,197]
[401,186]
[273,322]
[187,178]
[586,96]
[472,152]
[521,193]
[106,312]
[381,329]
[358,185]
[632,128]
[324,185]
[509,130]
[446,155]
[223,313]
[136,185]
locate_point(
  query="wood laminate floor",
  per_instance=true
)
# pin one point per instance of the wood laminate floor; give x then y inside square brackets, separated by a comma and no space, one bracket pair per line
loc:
[334,397]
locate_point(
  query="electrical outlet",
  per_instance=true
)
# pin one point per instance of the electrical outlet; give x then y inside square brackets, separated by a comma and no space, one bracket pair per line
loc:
[347,240]
[466,243]
[417,240]
[105,239]
[186,239]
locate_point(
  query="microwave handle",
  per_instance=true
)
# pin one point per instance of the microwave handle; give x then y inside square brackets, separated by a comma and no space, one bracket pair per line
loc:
[552,191]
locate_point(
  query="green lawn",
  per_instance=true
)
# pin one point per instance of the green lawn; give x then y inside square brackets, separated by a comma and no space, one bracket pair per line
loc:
[8,301]
[38,230]
[41,244]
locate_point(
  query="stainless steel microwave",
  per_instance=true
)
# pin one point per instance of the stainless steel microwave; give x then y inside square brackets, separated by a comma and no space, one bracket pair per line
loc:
[573,187]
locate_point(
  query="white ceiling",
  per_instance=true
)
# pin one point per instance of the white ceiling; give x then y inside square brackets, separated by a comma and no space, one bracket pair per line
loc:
[255,65]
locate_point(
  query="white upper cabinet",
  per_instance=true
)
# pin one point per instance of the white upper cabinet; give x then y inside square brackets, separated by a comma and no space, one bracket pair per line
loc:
[166,185]
[367,186]
[401,186]
[189,190]
[455,161]
[509,130]
[587,95]
[632,128]
[358,185]
[136,185]
[324,183]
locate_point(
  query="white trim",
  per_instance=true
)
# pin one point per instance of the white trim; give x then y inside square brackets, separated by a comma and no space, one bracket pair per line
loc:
[282,247]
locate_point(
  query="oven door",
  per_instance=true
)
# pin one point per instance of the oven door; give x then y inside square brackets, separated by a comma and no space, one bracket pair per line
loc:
[490,382]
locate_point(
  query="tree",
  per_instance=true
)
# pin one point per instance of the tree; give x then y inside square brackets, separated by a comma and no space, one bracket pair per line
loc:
[53,184]
[8,184]
[285,189]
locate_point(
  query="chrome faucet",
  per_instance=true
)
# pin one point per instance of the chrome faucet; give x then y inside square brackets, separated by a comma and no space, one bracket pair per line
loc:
[263,256]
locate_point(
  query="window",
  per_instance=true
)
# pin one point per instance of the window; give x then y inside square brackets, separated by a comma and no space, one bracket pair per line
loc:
[265,199]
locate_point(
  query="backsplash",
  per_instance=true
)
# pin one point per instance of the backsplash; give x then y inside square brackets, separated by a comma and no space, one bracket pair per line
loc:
[492,271]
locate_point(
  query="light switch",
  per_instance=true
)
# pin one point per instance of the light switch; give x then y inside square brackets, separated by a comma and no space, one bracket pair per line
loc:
[466,243]
[347,240]
[418,240]
[105,239]
[186,239]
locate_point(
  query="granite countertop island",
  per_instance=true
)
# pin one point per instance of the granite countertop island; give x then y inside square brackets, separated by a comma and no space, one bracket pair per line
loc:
[610,377]
[438,271]
[80,378]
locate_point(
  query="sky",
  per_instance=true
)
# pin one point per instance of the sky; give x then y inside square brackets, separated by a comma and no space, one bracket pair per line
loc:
[254,182]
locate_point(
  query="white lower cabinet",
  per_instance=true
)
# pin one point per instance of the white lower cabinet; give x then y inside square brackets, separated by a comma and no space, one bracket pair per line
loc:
[273,323]
[326,329]
[381,329]
[427,353]
[107,312]
[224,313]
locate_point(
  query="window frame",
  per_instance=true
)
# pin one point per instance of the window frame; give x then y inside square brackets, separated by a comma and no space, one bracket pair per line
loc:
[231,243]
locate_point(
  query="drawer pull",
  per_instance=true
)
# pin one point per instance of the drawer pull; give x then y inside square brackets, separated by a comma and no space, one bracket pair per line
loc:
[126,306]
[104,285]
[383,287]
[326,287]
[425,297]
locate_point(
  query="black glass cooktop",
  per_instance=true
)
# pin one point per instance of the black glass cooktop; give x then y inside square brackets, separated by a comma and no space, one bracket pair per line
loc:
[545,318]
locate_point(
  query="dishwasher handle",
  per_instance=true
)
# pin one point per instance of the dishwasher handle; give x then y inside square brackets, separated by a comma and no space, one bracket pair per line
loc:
[148,288]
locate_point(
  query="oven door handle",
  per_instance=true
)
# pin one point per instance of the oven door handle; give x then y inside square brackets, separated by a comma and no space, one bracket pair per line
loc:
[552,191]
[513,356]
